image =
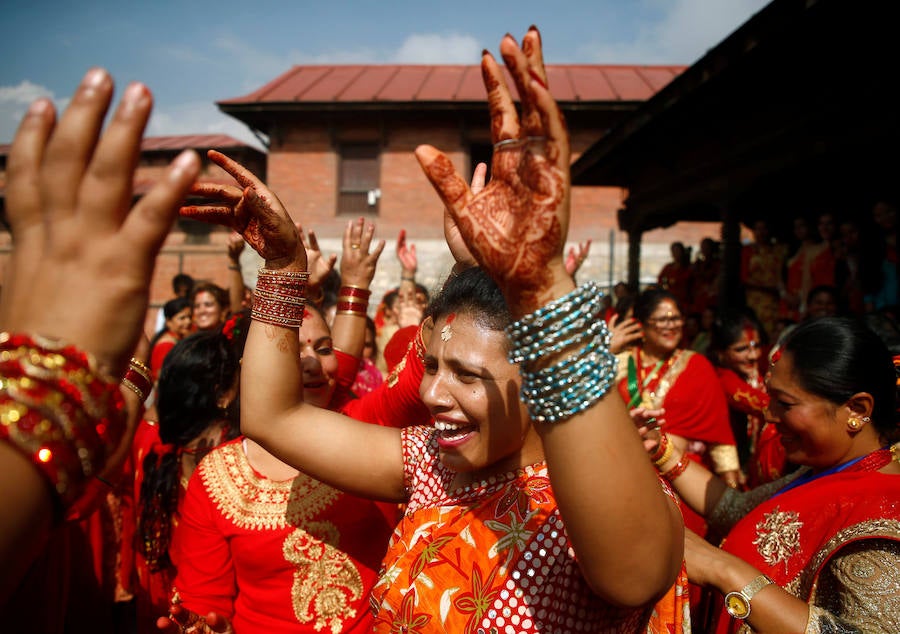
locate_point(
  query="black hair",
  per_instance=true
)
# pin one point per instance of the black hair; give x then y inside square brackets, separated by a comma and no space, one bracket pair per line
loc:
[473,292]
[218,293]
[727,328]
[170,309]
[182,280]
[647,301]
[837,357]
[195,374]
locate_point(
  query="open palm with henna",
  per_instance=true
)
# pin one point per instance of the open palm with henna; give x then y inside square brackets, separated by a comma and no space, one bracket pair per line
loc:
[254,212]
[516,226]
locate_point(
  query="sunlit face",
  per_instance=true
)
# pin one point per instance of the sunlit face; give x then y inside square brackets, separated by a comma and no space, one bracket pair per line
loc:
[317,360]
[813,430]
[208,313]
[742,356]
[472,392]
[179,324]
[664,329]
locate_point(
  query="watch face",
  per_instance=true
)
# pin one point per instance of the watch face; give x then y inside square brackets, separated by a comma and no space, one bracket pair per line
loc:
[737,605]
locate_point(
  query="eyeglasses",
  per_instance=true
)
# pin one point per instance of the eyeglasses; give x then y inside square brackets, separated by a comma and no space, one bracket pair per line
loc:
[670,321]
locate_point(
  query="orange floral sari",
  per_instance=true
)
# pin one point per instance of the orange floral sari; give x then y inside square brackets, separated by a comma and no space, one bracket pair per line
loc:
[493,557]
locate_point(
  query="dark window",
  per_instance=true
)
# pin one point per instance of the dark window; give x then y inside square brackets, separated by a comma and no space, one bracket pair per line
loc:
[358,180]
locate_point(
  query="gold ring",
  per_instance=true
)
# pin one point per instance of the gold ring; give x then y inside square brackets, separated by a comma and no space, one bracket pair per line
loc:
[354,246]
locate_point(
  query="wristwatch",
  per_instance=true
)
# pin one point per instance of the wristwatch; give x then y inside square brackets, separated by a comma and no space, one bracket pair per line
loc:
[738,603]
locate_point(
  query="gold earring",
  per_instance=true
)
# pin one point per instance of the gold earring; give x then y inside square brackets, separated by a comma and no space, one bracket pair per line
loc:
[853,423]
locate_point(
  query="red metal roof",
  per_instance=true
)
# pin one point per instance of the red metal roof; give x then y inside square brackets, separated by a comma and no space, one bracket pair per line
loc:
[175,143]
[187,141]
[451,83]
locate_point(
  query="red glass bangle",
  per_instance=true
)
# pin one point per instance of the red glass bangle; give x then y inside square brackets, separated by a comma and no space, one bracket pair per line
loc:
[352,308]
[354,291]
[660,448]
[678,469]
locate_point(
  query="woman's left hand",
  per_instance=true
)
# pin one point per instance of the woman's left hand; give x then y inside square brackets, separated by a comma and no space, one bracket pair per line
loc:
[516,226]
[253,211]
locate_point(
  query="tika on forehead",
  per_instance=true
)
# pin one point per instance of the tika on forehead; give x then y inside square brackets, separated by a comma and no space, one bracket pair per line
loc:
[446,332]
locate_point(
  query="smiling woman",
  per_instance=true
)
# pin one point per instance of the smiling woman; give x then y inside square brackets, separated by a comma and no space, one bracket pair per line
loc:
[818,550]
[517,373]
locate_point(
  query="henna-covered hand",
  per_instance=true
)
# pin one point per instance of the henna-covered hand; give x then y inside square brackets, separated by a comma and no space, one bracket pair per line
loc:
[406,255]
[461,254]
[184,621]
[254,212]
[516,226]
[357,263]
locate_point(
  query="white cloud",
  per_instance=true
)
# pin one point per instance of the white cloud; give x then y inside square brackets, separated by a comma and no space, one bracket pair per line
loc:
[198,117]
[432,48]
[686,31]
[14,101]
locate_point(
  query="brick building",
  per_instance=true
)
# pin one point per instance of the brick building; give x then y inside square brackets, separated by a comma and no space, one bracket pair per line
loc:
[341,141]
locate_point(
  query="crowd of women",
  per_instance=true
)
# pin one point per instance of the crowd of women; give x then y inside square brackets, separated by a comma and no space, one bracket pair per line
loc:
[524,466]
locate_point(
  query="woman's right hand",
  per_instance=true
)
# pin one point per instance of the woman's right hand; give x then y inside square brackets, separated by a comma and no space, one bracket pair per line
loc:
[624,333]
[254,212]
[183,621]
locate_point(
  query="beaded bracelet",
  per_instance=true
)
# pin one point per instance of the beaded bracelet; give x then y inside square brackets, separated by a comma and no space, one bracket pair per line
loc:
[575,383]
[678,469]
[58,411]
[279,298]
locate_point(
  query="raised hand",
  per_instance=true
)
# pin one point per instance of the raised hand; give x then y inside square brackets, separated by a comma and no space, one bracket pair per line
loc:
[75,232]
[406,254]
[516,226]
[357,263]
[183,621]
[254,212]
[318,265]
[576,256]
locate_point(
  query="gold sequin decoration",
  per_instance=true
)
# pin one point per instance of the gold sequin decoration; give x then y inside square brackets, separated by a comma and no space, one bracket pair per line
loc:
[778,536]
[326,581]
[259,503]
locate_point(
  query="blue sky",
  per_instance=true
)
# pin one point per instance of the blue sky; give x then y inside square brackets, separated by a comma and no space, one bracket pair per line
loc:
[194,52]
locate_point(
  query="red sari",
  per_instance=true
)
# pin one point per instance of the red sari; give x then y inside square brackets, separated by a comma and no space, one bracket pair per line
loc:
[794,535]
[277,556]
[493,557]
[693,411]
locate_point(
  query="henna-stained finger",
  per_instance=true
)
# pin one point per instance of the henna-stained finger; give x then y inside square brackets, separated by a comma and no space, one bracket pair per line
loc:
[447,182]
[504,119]
[532,47]
[212,214]
[241,174]
[108,181]
[227,193]
[73,140]
[556,146]
[519,68]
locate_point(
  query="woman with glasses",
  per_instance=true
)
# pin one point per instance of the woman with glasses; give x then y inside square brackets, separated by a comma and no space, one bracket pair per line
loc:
[660,374]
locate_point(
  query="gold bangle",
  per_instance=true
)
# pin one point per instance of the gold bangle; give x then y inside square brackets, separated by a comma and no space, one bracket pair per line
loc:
[667,454]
